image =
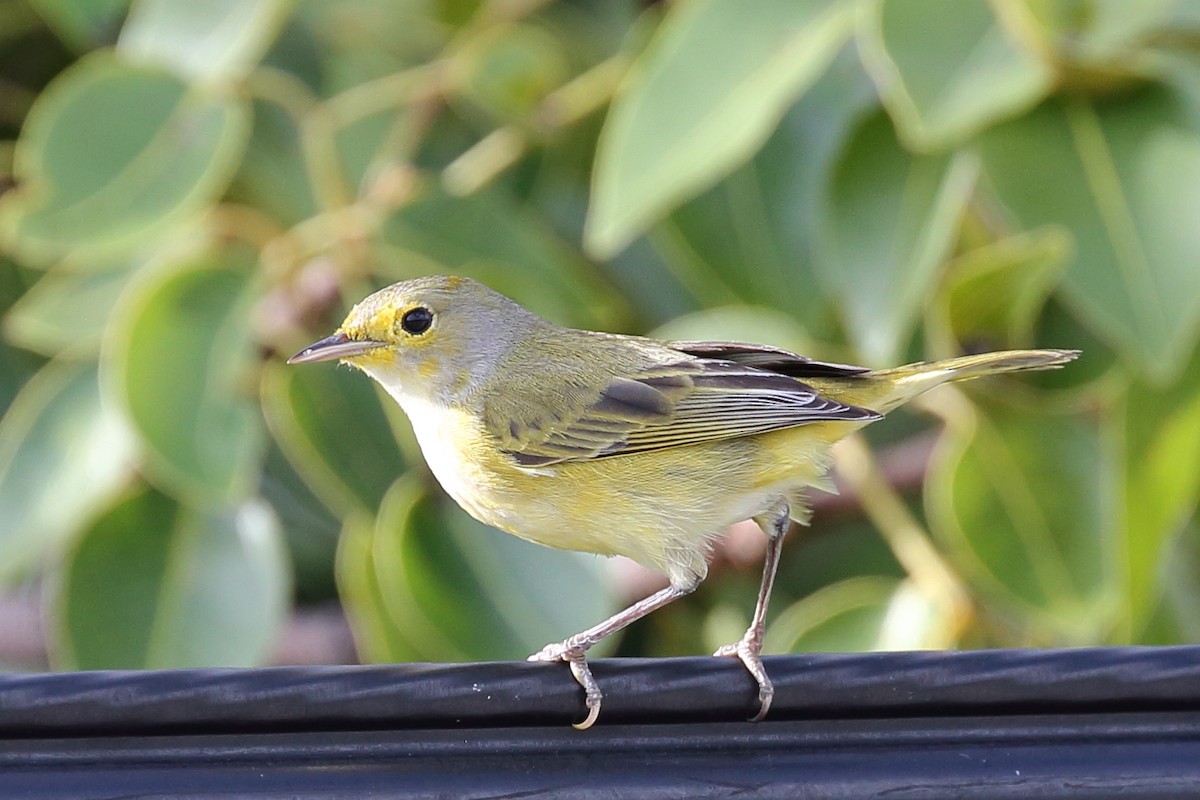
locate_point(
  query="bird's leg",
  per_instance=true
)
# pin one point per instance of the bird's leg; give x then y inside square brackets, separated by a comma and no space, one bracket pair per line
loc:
[573,649]
[774,523]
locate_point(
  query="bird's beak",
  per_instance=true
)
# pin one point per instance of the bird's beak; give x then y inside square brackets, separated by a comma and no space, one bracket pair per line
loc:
[337,346]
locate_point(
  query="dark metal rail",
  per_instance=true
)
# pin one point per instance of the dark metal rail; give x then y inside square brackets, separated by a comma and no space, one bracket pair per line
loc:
[1121,722]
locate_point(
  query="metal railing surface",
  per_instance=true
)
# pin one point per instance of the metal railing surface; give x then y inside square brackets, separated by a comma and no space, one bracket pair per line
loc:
[1091,722]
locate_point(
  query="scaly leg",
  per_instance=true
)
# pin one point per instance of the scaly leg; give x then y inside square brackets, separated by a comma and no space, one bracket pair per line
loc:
[774,523]
[573,649]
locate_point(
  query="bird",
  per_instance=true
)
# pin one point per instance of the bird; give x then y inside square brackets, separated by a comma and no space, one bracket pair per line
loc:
[616,444]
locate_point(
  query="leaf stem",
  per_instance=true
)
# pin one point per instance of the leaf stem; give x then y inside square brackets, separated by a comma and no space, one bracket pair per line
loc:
[386,93]
[484,161]
[1022,26]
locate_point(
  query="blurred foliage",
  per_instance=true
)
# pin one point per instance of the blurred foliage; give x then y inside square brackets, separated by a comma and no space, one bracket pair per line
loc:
[192,191]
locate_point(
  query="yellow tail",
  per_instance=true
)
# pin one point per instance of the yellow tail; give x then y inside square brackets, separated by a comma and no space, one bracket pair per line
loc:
[885,389]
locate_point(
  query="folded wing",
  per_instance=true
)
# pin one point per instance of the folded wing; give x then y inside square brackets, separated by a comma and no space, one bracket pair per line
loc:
[678,404]
[772,359]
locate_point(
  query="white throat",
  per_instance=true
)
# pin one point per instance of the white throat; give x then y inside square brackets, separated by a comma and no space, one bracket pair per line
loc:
[434,424]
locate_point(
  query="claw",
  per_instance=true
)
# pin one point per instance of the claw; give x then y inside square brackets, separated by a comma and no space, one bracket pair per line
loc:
[591,689]
[748,650]
[576,659]
[573,649]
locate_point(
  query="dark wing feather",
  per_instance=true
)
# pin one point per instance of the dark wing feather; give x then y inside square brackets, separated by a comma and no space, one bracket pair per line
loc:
[674,405]
[772,359]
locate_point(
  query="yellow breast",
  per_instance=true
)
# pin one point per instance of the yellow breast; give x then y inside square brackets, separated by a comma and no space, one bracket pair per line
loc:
[660,508]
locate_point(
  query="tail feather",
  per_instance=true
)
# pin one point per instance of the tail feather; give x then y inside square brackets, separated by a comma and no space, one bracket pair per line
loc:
[911,380]
[885,389]
[965,367]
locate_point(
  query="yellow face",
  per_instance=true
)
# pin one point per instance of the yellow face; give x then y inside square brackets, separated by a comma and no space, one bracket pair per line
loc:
[409,325]
[426,336]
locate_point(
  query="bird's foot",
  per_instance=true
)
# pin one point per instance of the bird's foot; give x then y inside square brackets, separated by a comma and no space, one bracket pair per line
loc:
[749,651]
[575,655]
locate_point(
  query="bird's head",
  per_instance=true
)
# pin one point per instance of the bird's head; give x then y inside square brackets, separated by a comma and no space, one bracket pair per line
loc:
[430,338]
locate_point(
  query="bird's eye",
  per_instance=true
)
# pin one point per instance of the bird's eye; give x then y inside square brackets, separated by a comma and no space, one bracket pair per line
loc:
[416,320]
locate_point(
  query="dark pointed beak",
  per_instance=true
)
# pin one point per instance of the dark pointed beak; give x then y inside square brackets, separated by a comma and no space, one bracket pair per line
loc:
[337,346]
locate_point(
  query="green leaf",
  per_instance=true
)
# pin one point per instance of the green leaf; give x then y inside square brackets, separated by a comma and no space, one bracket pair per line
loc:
[947,68]
[16,368]
[752,233]
[377,638]
[489,237]
[330,424]
[456,13]
[208,41]
[366,148]
[273,176]
[457,589]
[1057,326]
[1123,177]
[1177,618]
[889,221]
[420,605]
[112,153]
[1108,30]
[856,615]
[154,585]
[180,357]
[1021,497]
[994,294]
[1157,430]
[738,324]
[66,310]
[63,455]
[16,365]
[97,619]
[843,617]
[310,528]
[507,70]
[703,97]
[83,24]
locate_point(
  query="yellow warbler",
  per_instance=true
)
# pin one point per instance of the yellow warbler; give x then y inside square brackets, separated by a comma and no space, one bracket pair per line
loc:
[620,445]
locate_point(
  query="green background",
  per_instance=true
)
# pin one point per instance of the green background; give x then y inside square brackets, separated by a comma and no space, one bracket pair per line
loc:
[192,191]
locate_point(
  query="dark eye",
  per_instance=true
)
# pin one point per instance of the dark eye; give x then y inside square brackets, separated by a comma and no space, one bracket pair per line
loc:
[416,320]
